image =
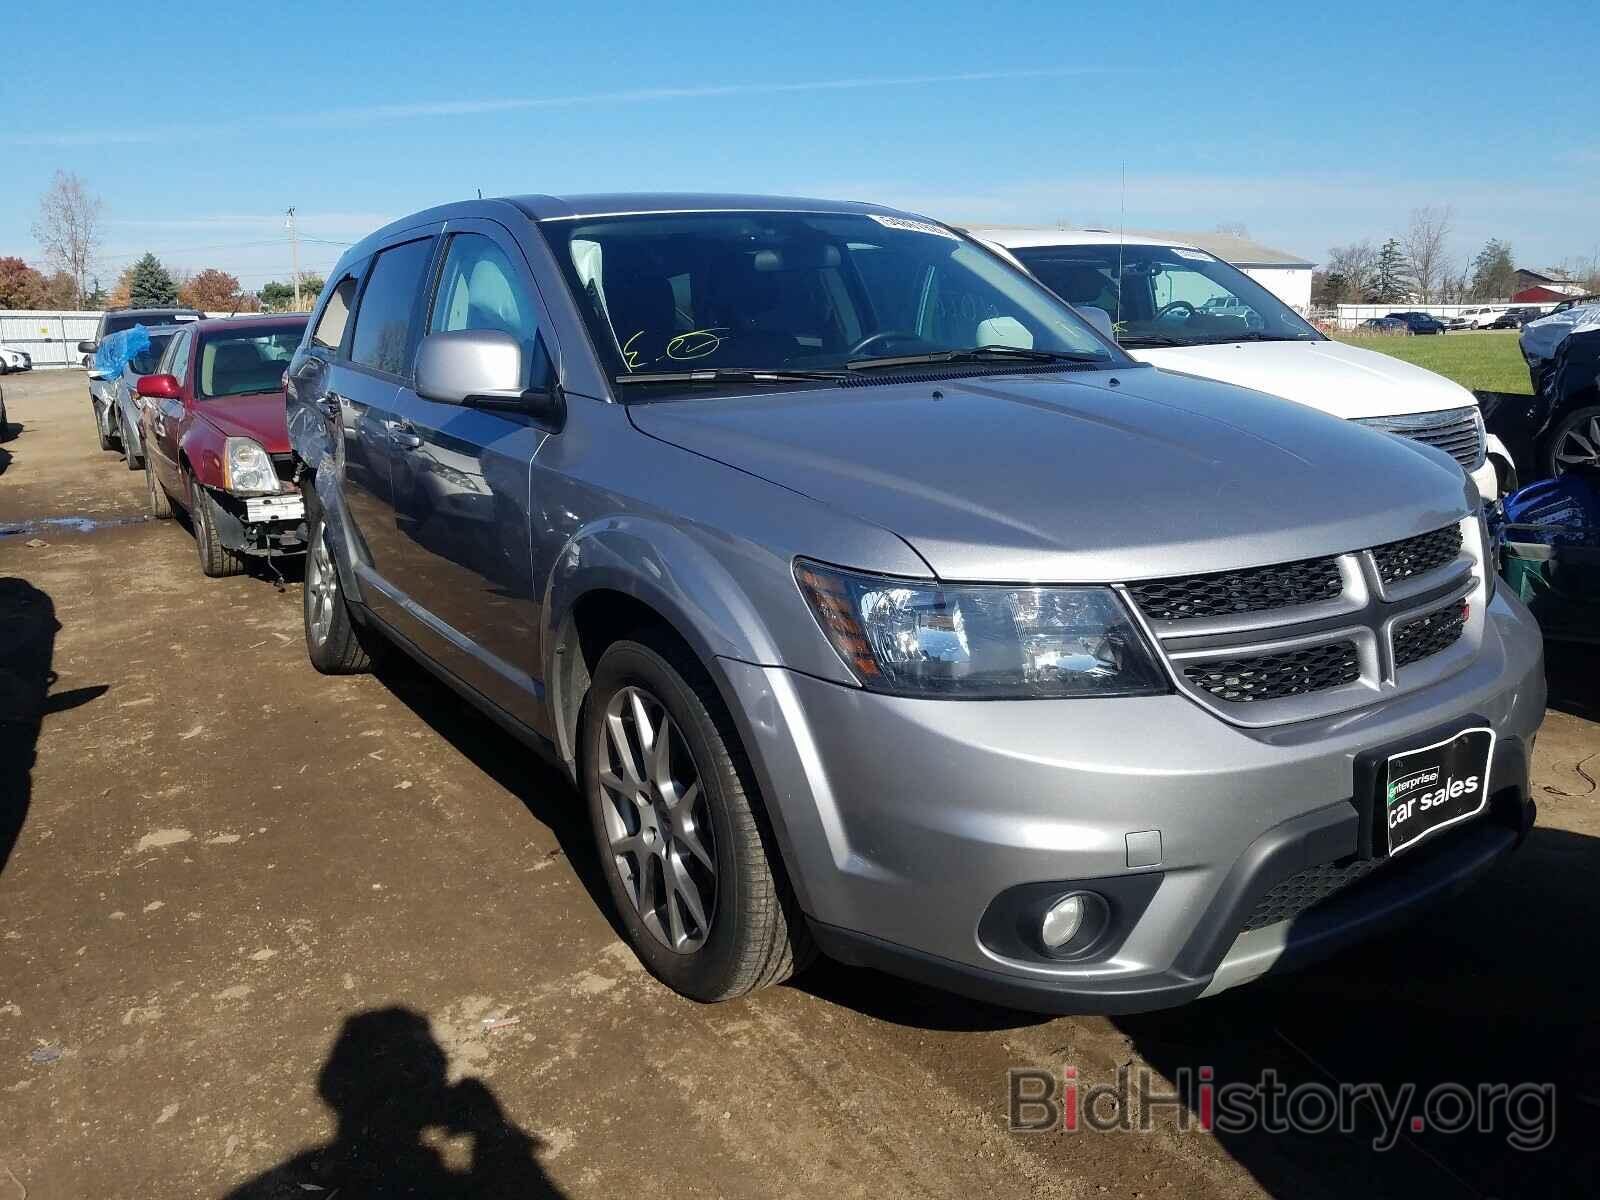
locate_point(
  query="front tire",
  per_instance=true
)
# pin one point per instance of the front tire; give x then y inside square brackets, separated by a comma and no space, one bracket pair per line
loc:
[216,560]
[333,641]
[687,855]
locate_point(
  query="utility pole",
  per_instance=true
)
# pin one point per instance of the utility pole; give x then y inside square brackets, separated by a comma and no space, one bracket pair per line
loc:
[294,255]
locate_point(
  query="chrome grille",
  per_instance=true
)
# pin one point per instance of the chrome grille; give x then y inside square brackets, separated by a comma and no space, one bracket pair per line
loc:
[1254,590]
[1456,431]
[1274,676]
[1417,639]
[1417,555]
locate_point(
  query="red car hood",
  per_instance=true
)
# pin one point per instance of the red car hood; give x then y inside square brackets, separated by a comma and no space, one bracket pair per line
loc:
[260,416]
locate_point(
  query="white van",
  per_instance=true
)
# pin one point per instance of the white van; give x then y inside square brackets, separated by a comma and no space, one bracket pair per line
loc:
[1181,308]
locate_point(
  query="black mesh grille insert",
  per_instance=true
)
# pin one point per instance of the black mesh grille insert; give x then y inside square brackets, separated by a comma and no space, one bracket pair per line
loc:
[1416,555]
[1303,889]
[1415,640]
[1252,590]
[1272,676]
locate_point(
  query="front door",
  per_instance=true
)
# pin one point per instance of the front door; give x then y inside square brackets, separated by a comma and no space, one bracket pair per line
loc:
[164,419]
[364,388]
[461,483]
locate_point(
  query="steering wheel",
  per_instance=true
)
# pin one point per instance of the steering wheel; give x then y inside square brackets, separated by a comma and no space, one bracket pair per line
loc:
[885,336]
[1166,308]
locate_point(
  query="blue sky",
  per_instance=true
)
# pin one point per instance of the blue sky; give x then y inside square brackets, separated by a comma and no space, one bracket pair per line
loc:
[1309,124]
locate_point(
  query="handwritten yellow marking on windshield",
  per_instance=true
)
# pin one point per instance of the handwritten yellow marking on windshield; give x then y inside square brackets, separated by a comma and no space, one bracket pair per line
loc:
[697,343]
[630,356]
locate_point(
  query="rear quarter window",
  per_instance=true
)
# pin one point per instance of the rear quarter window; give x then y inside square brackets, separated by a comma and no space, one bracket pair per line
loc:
[388,307]
[329,333]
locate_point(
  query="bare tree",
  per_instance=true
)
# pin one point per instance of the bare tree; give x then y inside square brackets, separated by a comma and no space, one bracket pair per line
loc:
[68,228]
[1424,244]
[1352,271]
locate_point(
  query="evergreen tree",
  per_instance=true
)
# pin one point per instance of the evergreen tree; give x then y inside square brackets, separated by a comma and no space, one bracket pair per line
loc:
[152,286]
[1494,272]
[1394,277]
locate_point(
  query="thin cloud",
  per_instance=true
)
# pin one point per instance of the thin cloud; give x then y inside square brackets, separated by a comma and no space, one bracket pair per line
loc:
[378,113]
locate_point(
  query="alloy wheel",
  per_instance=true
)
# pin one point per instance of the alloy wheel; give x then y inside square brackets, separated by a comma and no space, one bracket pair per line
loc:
[656,820]
[323,586]
[1579,446]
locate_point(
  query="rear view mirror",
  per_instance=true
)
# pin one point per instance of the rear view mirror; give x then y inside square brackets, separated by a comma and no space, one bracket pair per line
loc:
[157,387]
[87,347]
[1099,318]
[482,368]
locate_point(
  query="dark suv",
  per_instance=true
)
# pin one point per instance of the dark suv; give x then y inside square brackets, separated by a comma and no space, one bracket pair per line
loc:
[1419,322]
[103,391]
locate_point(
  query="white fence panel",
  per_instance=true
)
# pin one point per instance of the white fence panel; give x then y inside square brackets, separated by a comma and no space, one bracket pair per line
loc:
[49,336]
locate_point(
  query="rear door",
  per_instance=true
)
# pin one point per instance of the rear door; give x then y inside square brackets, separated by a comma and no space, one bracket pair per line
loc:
[461,481]
[363,386]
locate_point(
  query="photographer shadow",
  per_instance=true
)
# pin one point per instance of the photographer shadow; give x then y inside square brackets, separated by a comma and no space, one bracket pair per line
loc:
[386,1082]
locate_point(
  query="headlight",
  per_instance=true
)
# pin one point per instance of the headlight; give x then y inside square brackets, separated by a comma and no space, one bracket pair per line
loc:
[247,469]
[913,637]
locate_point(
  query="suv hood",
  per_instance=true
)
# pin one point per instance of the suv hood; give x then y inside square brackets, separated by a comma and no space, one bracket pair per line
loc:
[260,416]
[1078,477]
[1343,380]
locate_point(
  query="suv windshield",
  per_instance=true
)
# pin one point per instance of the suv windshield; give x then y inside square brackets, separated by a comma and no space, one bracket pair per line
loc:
[808,294]
[236,364]
[1166,295]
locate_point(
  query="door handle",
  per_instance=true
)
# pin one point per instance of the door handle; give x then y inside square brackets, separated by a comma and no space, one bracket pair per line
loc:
[403,436]
[330,403]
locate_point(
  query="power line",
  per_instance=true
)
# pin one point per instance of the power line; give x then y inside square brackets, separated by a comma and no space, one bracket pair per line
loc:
[190,249]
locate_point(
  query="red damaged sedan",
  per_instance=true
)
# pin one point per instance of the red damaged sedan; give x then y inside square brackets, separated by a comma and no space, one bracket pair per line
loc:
[216,441]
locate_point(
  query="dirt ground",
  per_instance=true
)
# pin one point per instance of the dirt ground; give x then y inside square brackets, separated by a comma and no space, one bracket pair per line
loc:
[257,926]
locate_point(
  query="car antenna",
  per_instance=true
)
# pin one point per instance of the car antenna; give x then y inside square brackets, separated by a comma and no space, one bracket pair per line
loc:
[1122,237]
[480,193]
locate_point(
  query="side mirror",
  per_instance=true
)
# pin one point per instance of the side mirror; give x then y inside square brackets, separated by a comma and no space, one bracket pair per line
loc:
[1099,318]
[157,387]
[88,347]
[482,368]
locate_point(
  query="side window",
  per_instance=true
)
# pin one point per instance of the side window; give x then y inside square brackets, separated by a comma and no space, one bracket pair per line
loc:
[383,319]
[178,360]
[329,333]
[479,288]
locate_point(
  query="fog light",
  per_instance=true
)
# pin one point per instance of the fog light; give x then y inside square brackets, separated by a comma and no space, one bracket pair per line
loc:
[1062,921]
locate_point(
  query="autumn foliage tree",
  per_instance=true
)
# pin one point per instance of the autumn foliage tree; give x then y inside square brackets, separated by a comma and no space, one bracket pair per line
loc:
[20,285]
[211,290]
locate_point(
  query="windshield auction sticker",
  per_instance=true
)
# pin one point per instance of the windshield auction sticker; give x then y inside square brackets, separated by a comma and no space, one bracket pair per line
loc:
[911,226]
[1433,787]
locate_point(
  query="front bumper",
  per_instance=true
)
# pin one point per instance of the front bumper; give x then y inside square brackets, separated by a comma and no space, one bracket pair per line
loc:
[902,821]
[261,524]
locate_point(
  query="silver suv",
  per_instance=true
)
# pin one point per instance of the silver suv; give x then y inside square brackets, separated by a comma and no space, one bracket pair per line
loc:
[876,603]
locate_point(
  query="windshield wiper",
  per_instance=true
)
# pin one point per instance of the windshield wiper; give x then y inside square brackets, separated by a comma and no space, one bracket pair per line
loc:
[974,354]
[731,375]
[1250,336]
[1152,339]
